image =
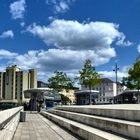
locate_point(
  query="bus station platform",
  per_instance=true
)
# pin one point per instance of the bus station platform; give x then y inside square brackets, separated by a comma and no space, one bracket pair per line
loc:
[36,127]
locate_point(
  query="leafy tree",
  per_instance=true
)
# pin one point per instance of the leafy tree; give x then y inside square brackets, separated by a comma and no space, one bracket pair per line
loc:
[133,79]
[88,76]
[60,81]
[64,99]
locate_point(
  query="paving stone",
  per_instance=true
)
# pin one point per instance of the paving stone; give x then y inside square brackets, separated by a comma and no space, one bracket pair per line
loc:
[35,128]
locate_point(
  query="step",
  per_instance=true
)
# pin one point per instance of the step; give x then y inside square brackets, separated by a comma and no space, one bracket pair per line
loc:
[122,127]
[84,131]
[126,112]
[59,131]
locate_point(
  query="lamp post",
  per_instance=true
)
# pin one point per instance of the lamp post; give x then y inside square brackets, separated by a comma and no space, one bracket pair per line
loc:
[116,72]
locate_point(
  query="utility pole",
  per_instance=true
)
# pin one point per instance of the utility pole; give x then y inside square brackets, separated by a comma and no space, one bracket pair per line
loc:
[116,72]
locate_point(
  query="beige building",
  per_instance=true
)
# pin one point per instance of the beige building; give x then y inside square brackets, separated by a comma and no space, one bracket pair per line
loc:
[14,81]
[69,94]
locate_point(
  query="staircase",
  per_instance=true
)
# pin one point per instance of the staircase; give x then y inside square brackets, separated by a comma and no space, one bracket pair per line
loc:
[102,122]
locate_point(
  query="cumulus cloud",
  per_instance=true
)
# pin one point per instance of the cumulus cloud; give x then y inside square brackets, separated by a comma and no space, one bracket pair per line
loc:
[122,42]
[17,9]
[138,47]
[74,35]
[46,62]
[55,59]
[72,43]
[7,34]
[60,6]
[122,72]
[5,54]
[75,42]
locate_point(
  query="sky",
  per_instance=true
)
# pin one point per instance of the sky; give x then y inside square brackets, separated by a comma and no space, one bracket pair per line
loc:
[51,35]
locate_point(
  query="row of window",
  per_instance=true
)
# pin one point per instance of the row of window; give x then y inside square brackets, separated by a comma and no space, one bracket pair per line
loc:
[104,99]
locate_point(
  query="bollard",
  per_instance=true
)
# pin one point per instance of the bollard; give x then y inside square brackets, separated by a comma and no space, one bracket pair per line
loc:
[22,116]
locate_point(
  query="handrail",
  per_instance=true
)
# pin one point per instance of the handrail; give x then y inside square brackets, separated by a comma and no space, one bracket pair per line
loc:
[7,115]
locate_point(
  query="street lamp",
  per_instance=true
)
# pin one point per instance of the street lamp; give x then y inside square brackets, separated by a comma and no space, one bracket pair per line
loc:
[116,72]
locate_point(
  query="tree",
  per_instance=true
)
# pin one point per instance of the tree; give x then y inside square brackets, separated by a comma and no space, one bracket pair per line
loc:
[64,99]
[60,81]
[133,79]
[89,77]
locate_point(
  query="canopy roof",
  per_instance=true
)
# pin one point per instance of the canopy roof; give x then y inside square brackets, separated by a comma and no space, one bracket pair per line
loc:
[86,92]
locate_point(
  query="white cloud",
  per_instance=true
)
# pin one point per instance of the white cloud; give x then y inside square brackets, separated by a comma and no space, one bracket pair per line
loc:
[122,42]
[74,35]
[7,34]
[46,62]
[17,9]
[60,6]
[122,72]
[51,18]
[22,24]
[5,54]
[138,47]
[75,42]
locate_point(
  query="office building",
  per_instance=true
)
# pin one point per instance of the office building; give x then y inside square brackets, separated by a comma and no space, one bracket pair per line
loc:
[13,82]
[107,91]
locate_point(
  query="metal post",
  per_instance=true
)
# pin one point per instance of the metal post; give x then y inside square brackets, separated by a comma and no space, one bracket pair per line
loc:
[116,72]
[90,99]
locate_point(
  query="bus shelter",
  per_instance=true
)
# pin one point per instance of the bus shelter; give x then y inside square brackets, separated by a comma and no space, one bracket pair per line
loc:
[86,97]
[39,96]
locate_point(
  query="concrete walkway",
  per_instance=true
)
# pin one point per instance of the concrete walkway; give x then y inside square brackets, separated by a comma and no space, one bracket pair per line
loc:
[37,127]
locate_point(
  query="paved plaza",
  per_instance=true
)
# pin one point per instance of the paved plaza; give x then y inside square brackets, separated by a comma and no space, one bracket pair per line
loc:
[37,127]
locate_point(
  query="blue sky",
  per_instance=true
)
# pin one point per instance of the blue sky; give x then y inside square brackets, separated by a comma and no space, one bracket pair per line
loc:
[54,35]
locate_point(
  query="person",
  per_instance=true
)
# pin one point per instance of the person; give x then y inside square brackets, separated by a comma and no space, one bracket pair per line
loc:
[93,101]
[39,107]
[31,104]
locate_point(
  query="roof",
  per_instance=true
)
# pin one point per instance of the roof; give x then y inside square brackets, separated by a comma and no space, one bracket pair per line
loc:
[8,101]
[37,89]
[86,91]
[106,80]
[128,92]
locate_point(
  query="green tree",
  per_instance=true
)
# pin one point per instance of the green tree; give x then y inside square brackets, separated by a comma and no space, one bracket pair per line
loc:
[64,99]
[60,81]
[133,79]
[89,77]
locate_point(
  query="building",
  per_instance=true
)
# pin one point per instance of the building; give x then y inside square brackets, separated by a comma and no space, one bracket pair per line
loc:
[86,97]
[13,82]
[41,84]
[70,94]
[107,91]
[127,97]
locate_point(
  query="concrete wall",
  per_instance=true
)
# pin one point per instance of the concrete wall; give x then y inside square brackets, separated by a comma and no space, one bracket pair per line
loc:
[9,120]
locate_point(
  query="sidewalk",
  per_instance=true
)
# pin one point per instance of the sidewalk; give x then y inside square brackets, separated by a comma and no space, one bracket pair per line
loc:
[37,127]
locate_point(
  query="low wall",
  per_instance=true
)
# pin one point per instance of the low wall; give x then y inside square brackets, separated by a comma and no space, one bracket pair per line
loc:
[9,120]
